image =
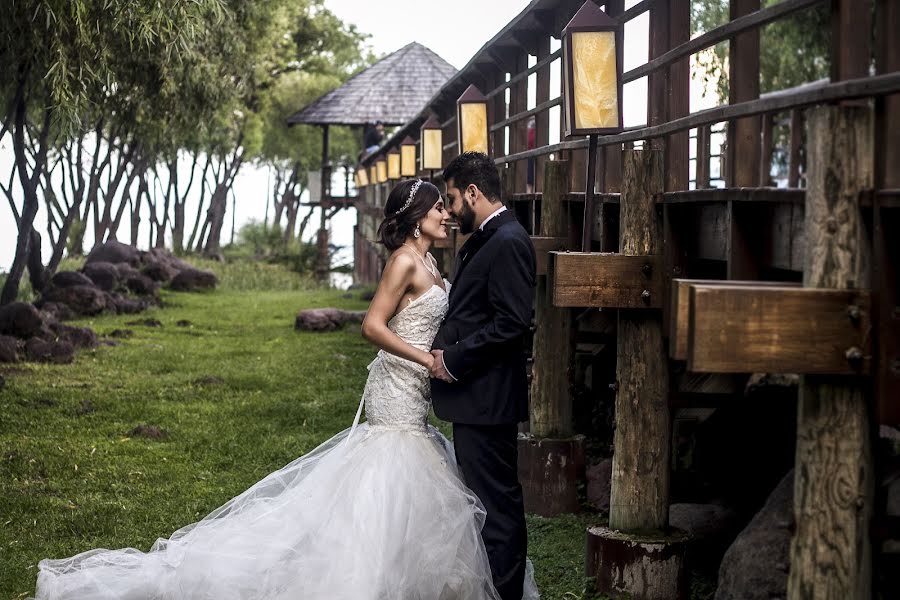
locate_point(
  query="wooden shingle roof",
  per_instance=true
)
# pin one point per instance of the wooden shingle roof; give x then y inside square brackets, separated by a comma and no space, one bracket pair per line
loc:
[392,91]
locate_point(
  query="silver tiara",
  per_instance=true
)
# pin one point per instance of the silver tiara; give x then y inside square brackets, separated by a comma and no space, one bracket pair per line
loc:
[412,194]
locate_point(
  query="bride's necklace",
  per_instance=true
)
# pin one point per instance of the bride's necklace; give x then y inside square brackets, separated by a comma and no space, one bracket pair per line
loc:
[427,264]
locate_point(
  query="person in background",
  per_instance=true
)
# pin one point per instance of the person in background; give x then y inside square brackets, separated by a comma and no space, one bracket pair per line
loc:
[374,137]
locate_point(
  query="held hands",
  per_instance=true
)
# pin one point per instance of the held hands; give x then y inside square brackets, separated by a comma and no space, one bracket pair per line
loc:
[437,367]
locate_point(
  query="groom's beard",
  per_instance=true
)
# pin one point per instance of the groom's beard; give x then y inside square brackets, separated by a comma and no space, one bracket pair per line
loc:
[466,219]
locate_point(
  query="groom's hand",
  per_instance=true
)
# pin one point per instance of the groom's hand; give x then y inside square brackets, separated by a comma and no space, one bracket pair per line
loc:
[437,368]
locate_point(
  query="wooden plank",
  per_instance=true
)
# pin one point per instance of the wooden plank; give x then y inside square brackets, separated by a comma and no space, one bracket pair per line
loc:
[543,246]
[679,97]
[796,143]
[605,280]
[831,552]
[542,119]
[742,164]
[681,307]
[768,329]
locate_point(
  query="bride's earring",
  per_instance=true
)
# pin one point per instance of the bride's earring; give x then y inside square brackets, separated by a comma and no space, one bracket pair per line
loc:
[418,232]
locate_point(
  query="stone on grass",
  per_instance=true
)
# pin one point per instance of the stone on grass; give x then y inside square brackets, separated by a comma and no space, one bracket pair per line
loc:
[160,271]
[755,567]
[146,322]
[82,299]
[121,333]
[70,278]
[184,323]
[79,337]
[104,275]
[57,352]
[20,319]
[9,349]
[151,432]
[142,285]
[115,252]
[599,477]
[193,280]
[326,319]
[53,311]
[129,306]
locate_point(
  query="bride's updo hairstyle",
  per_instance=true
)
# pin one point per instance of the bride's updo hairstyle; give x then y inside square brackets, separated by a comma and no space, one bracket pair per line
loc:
[401,215]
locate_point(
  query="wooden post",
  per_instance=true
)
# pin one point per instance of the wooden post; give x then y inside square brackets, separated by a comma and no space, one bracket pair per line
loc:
[743,134]
[640,475]
[551,401]
[551,460]
[831,553]
[323,265]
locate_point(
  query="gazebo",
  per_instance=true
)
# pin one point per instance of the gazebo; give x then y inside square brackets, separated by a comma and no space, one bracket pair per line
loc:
[393,91]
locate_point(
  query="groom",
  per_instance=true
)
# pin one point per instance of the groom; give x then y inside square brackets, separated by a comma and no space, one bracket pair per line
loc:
[478,379]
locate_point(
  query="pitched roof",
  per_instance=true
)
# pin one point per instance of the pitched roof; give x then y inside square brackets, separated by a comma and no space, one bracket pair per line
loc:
[392,91]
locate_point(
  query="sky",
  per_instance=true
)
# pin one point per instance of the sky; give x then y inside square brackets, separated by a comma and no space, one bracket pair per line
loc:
[448,29]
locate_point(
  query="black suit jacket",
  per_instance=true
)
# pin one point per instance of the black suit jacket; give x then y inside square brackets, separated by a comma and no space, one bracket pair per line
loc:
[482,336]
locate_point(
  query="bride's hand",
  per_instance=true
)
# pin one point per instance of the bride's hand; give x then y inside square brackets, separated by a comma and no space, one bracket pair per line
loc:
[428,361]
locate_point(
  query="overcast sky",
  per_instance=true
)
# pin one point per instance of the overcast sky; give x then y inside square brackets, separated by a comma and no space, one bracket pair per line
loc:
[455,31]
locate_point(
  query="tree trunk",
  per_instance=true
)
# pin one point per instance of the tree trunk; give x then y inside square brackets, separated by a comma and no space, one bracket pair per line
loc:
[831,554]
[640,477]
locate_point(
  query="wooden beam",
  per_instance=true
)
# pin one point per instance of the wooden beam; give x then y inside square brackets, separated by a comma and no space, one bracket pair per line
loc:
[742,163]
[831,553]
[543,246]
[769,329]
[681,308]
[605,280]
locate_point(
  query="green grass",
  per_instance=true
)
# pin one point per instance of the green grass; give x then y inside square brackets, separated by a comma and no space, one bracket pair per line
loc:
[72,478]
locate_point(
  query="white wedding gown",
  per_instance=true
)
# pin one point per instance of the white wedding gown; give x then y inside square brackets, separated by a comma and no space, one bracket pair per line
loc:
[378,512]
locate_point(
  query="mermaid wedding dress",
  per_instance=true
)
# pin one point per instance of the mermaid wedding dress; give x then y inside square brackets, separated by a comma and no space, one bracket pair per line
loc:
[377,512]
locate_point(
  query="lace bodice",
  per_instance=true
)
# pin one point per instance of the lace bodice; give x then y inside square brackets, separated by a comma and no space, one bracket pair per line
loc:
[397,393]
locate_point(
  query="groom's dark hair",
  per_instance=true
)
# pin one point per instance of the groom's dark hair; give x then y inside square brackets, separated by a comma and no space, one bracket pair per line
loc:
[474,168]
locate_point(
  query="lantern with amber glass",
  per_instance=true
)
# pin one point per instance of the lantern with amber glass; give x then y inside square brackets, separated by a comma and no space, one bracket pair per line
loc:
[592,88]
[362,177]
[393,164]
[408,157]
[432,138]
[373,174]
[381,168]
[472,121]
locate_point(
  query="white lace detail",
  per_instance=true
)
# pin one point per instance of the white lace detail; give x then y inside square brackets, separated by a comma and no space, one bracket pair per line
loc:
[397,394]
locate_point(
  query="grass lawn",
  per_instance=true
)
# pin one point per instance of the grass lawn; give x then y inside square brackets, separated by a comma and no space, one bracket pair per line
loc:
[239,394]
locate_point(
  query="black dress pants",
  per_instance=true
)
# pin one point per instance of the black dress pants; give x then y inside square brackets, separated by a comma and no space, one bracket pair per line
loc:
[488,459]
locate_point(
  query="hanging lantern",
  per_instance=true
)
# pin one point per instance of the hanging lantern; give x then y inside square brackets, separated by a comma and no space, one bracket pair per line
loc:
[362,177]
[592,73]
[432,139]
[393,164]
[381,166]
[373,174]
[408,157]
[472,121]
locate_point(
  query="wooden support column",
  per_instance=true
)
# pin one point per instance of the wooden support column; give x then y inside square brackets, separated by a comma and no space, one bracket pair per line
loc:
[831,553]
[640,477]
[542,119]
[636,557]
[551,461]
[323,260]
[742,162]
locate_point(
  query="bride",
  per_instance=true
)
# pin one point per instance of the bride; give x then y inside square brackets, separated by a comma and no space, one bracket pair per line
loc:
[377,512]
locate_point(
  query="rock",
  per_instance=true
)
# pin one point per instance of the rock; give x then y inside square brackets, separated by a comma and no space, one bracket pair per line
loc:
[79,337]
[129,306]
[9,349]
[55,311]
[86,408]
[82,299]
[163,262]
[160,271]
[599,478]
[192,280]
[326,319]
[57,352]
[121,333]
[151,432]
[126,272]
[142,285]
[146,322]
[111,343]
[70,278]
[20,319]
[755,567]
[184,323]
[115,252]
[104,275]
